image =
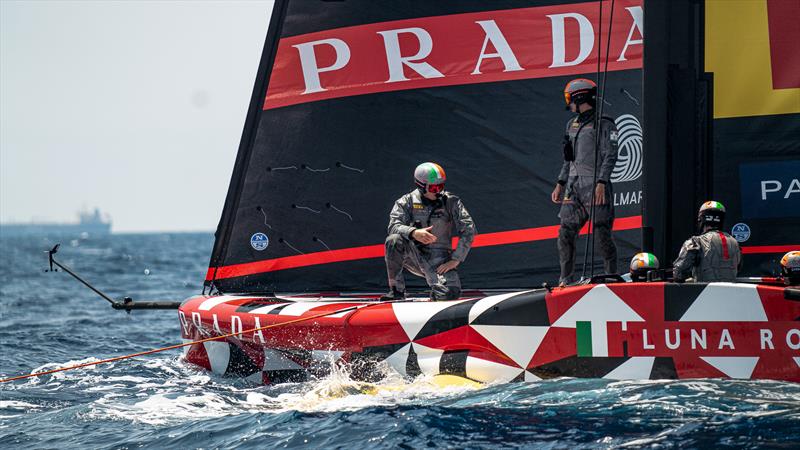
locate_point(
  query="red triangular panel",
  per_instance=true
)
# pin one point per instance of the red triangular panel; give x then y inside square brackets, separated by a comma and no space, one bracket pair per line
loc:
[558,343]
[694,367]
[776,306]
[562,299]
[647,299]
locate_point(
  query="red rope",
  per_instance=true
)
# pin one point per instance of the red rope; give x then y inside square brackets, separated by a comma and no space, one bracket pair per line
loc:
[172,347]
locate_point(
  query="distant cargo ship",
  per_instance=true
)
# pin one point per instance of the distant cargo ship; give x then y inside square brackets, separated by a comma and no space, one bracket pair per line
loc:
[89,224]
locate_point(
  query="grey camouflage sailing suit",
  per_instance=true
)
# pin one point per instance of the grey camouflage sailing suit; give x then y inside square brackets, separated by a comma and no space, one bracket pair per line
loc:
[578,176]
[712,256]
[449,218]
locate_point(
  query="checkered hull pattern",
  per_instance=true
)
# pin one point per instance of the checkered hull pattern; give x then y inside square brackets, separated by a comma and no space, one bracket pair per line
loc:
[617,331]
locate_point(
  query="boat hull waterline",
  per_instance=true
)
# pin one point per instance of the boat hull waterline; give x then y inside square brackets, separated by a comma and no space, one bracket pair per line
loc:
[616,331]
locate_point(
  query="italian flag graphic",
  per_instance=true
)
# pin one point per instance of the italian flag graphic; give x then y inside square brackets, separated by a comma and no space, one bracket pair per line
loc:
[592,338]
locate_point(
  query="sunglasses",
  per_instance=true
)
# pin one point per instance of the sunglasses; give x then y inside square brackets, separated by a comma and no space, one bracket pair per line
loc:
[435,188]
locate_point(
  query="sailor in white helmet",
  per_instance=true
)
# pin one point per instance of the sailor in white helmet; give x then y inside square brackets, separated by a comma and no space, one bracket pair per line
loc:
[422,225]
[790,268]
[714,255]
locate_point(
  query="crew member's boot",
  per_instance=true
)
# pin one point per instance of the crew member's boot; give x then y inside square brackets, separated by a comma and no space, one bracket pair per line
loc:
[441,292]
[393,295]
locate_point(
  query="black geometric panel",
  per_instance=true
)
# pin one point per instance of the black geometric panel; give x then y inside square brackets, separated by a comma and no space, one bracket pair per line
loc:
[527,309]
[663,369]
[580,367]
[278,309]
[454,363]
[239,364]
[447,319]
[254,304]
[678,297]
[363,365]
[300,356]
[286,376]
[412,364]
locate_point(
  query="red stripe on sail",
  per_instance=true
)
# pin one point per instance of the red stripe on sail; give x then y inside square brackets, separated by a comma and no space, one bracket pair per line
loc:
[755,249]
[377,251]
[516,44]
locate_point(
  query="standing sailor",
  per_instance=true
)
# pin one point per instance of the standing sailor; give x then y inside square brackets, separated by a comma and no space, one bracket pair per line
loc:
[714,255]
[586,172]
[422,225]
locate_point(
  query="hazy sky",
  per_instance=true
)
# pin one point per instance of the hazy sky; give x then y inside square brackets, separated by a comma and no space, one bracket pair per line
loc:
[135,107]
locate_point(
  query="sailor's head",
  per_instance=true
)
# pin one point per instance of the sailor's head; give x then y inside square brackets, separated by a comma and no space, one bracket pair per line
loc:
[641,264]
[711,216]
[578,92]
[790,268]
[429,178]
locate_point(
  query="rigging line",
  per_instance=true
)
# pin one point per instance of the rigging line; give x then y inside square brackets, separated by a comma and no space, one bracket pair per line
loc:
[310,169]
[600,113]
[631,97]
[344,166]
[261,210]
[316,239]
[271,169]
[284,241]
[172,347]
[306,208]
[596,120]
[332,206]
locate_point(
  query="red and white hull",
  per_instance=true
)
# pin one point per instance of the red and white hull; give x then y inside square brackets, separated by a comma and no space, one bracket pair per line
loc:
[618,331]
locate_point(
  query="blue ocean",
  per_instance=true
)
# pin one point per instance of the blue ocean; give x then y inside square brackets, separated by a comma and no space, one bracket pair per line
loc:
[48,320]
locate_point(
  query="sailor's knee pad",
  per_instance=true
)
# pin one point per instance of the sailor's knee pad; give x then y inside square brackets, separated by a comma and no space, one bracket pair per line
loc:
[395,242]
[568,230]
[603,216]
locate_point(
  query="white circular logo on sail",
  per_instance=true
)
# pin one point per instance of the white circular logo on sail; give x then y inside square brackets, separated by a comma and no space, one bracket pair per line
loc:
[259,241]
[629,157]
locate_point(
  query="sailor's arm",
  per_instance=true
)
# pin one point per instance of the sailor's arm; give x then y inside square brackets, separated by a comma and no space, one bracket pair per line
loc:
[687,259]
[400,218]
[465,227]
[568,154]
[563,175]
[558,191]
[608,149]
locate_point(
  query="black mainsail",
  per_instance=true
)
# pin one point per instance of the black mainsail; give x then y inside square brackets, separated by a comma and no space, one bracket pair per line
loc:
[351,96]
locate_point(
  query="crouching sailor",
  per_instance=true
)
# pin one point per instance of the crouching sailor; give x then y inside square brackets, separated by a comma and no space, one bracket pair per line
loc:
[713,255]
[422,225]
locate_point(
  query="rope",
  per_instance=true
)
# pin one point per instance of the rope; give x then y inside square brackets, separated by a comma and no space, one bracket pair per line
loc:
[173,347]
[597,121]
[590,230]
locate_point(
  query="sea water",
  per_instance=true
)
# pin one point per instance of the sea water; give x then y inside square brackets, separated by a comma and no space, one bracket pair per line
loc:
[49,320]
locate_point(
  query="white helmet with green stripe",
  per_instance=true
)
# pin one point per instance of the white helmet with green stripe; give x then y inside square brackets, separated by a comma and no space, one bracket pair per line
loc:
[641,264]
[711,214]
[430,174]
